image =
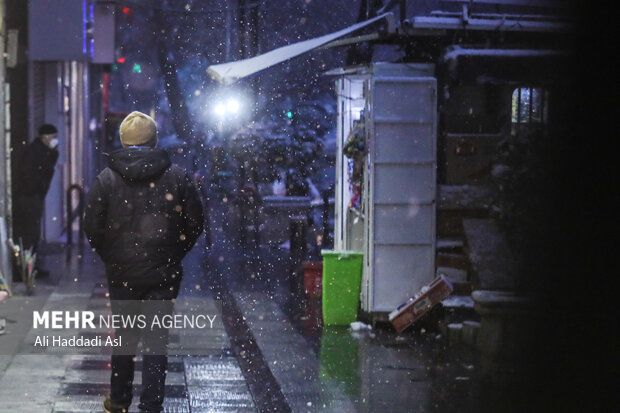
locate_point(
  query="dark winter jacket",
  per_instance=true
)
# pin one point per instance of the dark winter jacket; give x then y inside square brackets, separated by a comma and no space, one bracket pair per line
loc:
[35,170]
[143,214]
[33,174]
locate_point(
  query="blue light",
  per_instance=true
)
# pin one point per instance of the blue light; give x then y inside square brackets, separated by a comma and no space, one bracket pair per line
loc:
[84,25]
[289,114]
[92,40]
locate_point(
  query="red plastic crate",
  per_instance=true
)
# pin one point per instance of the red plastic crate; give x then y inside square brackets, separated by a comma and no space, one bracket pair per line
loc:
[313,278]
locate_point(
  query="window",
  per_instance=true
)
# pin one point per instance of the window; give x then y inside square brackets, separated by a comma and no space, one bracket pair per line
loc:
[529,107]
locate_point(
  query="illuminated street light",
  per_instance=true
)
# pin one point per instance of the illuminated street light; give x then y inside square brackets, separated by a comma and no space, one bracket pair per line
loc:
[232,105]
[220,109]
[228,107]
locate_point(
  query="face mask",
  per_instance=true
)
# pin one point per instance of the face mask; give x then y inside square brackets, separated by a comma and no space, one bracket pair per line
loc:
[54,143]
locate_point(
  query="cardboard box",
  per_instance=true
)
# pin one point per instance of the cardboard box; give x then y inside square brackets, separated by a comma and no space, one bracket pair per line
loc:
[414,308]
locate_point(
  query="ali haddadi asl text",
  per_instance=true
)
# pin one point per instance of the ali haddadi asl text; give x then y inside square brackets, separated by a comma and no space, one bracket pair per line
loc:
[77,341]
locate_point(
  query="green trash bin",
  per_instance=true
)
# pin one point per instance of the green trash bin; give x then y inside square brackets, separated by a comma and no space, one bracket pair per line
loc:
[342,279]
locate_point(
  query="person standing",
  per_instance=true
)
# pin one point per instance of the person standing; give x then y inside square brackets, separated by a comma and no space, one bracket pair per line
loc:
[32,181]
[143,215]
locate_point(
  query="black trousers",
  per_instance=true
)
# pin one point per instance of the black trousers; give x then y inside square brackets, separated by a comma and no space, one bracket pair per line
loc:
[154,342]
[27,212]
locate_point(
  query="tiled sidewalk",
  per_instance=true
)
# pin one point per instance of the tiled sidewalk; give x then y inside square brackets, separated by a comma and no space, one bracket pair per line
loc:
[193,384]
[37,380]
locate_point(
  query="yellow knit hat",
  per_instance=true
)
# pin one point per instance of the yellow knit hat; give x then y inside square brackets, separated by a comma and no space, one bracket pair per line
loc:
[138,129]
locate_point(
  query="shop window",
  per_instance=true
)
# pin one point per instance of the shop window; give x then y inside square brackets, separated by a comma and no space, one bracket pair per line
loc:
[529,107]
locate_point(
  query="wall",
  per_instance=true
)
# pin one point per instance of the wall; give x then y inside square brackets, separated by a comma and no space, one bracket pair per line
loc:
[5,266]
[474,118]
[17,77]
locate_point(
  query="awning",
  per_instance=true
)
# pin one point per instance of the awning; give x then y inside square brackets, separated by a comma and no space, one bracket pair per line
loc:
[228,73]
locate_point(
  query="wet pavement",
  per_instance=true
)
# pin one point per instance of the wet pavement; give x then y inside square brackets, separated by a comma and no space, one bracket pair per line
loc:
[41,380]
[270,354]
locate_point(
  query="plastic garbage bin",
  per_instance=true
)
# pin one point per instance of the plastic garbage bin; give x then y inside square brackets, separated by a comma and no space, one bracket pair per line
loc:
[342,278]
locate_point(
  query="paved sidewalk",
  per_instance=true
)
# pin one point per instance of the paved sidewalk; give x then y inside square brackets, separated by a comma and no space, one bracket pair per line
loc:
[335,369]
[292,362]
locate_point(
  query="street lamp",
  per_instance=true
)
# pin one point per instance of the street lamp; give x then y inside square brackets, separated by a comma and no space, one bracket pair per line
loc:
[227,108]
[232,105]
[220,109]
[230,109]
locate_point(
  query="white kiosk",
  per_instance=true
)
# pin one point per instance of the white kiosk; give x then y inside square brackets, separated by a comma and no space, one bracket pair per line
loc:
[390,216]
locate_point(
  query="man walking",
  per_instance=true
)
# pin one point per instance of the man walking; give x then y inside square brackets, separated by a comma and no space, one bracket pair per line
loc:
[143,215]
[32,181]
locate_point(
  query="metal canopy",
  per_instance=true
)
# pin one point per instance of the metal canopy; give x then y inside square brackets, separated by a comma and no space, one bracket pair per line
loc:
[485,24]
[228,73]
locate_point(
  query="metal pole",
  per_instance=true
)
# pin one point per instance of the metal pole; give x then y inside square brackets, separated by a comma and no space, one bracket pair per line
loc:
[543,102]
[298,250]
[242,201]
[326,240]
[6,264]
[531,106]
[241,27]
[518,110]
[254,30]
[242,220]
[297,232]
[228,30]
[81,215]
[256,206]
[69,218]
